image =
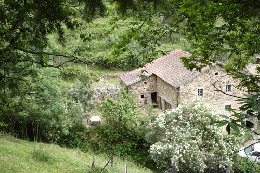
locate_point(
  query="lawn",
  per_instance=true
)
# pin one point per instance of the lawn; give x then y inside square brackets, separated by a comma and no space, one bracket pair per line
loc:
[22,156]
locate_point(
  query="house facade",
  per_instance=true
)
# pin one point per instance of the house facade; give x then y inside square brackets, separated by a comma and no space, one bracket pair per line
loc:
[165,83]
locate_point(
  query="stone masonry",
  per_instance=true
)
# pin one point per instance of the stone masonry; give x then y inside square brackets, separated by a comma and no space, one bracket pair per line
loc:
[143,89]
[216,94]
[166,83]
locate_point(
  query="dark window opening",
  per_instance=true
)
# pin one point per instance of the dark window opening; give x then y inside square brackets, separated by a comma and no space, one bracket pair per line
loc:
[200,92]
[228,88]
[216,73]
[145,82]
[154,97]
[142,96]
[227,107]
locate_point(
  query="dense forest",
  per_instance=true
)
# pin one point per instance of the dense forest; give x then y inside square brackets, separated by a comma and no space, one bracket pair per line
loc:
[45,89]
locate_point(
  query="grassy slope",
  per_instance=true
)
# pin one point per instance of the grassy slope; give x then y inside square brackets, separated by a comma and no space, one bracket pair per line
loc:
[19,156]
[112,81]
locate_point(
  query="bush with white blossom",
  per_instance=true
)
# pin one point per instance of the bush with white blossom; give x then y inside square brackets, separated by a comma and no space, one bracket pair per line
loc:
[189,139]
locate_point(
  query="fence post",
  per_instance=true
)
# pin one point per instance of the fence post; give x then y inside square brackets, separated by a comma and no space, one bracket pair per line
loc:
[125,168]
[111,161]
[93,162]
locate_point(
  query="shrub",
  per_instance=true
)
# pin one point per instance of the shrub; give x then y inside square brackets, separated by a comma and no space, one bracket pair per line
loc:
[42,155]
[243,165]
[123,132]
[78,137]
[70,73]
[188,139]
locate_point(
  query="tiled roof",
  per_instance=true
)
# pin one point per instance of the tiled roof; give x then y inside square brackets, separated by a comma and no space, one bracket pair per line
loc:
[133,76]
[169,68]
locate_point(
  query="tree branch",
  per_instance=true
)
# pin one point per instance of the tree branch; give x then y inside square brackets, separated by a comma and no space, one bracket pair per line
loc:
[72,58]
[219,90]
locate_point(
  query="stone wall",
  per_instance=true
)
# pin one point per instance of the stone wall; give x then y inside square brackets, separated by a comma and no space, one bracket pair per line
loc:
[102,93]
[210,81]
[166,93]
[212,98]
[143,89]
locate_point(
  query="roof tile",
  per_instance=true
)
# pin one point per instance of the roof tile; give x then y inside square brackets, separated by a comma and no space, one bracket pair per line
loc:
[169,68]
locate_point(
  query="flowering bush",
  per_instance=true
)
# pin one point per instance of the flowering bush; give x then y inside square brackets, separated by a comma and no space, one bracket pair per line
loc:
[188,139]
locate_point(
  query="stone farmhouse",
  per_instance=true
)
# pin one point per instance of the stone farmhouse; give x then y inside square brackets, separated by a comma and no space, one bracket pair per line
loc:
[165,83]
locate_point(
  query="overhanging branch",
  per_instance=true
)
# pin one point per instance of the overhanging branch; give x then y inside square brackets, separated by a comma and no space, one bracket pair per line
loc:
[71,58]
[219,90]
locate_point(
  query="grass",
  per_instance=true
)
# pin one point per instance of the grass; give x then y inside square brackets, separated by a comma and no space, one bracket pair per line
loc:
[106,81]
[99,71]
[23,156]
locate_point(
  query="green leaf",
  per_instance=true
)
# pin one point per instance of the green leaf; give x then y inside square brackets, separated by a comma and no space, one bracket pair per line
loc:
[221,123]
[234,126]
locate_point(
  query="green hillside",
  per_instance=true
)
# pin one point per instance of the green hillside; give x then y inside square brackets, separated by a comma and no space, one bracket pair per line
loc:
[22,156]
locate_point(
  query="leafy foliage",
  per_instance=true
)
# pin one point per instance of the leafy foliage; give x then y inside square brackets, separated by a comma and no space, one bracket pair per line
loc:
[245,165]
[31,97]
[188,139]
[116,42]
[34,101]
[123,131]
[121,112]
[49,105]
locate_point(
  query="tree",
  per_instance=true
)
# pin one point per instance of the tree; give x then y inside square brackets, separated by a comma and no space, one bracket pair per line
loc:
[119,134]
[122,112]
[122,132]
[188,139]
[24,27]
[50,106]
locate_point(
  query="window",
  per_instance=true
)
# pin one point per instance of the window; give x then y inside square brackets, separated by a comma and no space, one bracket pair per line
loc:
[200,92]
[145,82]
[249,149]
[216,73]
[228,87]
[255,153]
[227,108]
[142,96]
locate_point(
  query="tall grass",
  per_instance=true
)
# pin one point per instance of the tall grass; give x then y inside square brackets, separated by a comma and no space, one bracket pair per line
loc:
[42,155]
[22,156]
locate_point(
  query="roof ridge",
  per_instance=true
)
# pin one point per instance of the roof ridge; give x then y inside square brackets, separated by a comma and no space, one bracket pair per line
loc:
[169,68]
